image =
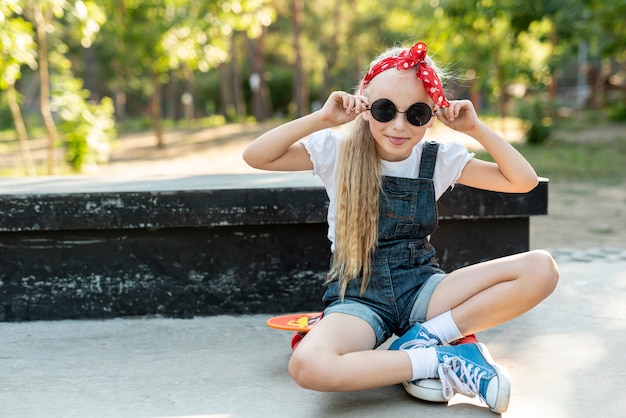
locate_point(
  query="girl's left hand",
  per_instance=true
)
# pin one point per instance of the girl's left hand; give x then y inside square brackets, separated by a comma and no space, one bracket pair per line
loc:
[460,115]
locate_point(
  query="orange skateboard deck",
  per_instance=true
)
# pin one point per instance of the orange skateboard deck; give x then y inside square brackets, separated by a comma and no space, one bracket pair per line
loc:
[301,323]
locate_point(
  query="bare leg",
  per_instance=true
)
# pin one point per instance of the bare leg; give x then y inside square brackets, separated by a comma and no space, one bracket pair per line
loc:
[490,293]
[336,355]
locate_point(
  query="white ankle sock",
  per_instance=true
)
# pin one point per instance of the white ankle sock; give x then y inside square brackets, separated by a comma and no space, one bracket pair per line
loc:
[424,362]
[443,327]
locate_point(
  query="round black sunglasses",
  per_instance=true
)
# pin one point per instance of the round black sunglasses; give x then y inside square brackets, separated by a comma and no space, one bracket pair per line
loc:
[418,114]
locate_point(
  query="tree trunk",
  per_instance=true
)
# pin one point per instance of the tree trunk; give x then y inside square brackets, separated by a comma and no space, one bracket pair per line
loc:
[240,101]
[120,103]
[299,80]
[155,110]
[552,88]
[91,78]
[475,94]
[474,89]
[172,97]
[188,101]
[119,85]
[227,106]
[41,22]
[20,127]
[332,52]
[261,103]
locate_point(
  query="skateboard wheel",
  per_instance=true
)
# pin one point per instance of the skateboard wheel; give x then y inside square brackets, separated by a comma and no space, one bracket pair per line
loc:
[466,340]
[295,340]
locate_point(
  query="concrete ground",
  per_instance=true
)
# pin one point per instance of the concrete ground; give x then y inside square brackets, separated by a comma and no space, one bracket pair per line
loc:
[566,359]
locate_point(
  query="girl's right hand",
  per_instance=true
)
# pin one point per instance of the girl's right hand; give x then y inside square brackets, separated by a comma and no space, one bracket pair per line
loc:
[342,107]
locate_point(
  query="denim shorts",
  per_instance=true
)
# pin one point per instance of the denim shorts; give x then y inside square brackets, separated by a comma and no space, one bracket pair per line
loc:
[397,295]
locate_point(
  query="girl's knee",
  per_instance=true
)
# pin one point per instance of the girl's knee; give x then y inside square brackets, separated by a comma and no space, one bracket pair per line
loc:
[544,269]
[309,371]
[298,368]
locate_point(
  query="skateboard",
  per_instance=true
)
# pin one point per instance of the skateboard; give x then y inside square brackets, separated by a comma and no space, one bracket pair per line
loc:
[300,323]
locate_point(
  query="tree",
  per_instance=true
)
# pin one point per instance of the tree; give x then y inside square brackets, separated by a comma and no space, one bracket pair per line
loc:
[606,37]
[300,89]
[250,19]
[17,49]
[45,16]
[41,14]
[261,104]
[160,39]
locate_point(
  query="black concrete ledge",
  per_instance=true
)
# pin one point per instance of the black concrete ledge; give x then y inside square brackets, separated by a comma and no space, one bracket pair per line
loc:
[83,247]
[69,204]
[155,203]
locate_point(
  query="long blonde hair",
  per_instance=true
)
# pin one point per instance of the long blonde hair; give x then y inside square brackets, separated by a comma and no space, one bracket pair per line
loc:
[359,182]
[359,186]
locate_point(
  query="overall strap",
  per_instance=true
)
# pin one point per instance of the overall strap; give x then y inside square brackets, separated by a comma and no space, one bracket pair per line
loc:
[429,159]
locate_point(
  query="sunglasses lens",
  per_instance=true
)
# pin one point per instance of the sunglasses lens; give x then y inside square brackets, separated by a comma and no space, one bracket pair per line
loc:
[383,110]
[419,114]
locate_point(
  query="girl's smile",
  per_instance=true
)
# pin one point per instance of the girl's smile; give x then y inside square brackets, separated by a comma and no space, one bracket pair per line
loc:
[397,140]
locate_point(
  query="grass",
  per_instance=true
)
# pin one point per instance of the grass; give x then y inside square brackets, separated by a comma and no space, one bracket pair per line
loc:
[594,162]
[568,156]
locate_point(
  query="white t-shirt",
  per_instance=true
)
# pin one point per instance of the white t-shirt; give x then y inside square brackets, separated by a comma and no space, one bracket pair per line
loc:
[323,147]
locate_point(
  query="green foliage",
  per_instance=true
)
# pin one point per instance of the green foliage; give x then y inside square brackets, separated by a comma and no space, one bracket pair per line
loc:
[210,121]
[88,128]
[488,45]
[6,121]
[281,86]
[130,125]
[17,48]
[617,112]
[536,113]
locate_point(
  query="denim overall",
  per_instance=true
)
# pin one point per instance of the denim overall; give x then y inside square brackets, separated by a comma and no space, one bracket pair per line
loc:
[404,259]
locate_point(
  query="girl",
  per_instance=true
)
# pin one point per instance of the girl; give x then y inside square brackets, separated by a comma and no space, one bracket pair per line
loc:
[383,182]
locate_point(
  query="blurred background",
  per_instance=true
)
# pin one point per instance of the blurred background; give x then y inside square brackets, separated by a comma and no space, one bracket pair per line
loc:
[85,84]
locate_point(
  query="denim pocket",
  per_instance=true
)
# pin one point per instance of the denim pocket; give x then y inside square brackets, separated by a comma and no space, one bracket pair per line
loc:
[396,208]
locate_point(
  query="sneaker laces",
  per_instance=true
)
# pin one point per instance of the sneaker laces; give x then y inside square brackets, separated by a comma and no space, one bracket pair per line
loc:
[459,377]
[426,340]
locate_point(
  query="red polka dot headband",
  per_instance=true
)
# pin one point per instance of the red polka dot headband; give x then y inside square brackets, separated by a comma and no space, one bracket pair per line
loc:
[409,58]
